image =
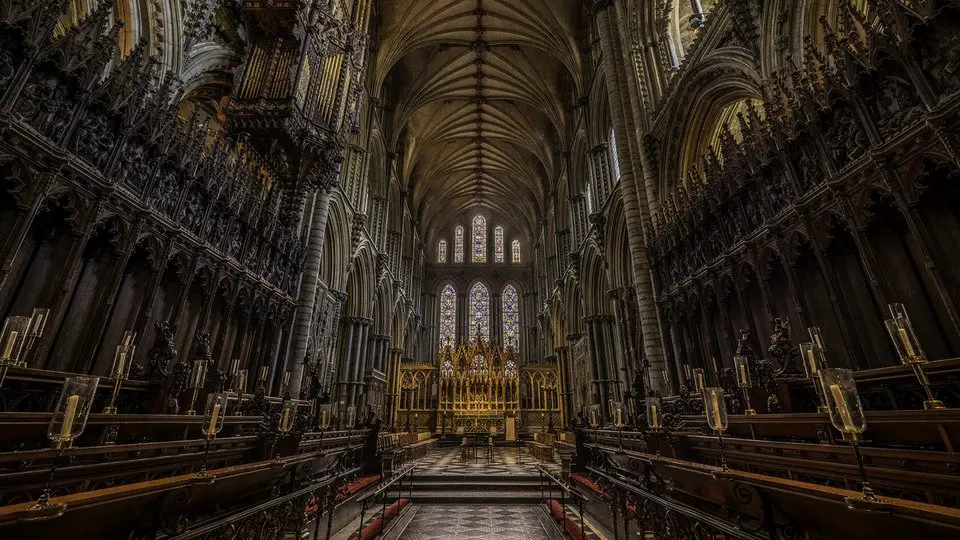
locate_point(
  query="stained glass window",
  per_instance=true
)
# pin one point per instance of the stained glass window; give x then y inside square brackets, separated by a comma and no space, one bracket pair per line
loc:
[458,244]
[511,317]
[442,251]
[498,244]
[479,319]
[448,317]
[479,239]
[515,251]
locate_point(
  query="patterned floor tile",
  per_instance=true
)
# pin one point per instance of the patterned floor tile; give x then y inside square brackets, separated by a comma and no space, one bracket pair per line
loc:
[477,522]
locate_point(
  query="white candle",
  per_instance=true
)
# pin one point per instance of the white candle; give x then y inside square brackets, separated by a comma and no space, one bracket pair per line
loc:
[654,419]
[816,337]
[284,419]
[743,375]
[812,362]
[127,338]
[907,346]
[718,425]
[700,380]
[842,409]
[121,360]
[8,350]
[323,419]
[68,416]
[212,428]
[619,417]
[37,327]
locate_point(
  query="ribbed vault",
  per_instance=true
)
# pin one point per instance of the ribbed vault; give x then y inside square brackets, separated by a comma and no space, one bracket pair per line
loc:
[479,94]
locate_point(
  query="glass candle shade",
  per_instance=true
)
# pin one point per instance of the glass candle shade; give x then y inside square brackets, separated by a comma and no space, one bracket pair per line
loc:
[698,380]
[616,412]
[38,321]
[687,374]
[70,415]
[122,361]
[214,414]
[816,337]
[742,365]
[324,415]
[285,383]
[129,337]
[240,382]
[14,338]
[593,415]
[716,408]
[843,401]
[352,416]
[812,359]
[264,371]
[287,416]
[654,409]
[234,367]
[905,340]
[198,373]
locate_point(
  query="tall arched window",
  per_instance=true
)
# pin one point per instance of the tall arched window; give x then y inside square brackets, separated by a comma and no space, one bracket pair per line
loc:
[448,317]
[458,244]
[511,317]
[498,244]
[442,251]
[479,239]
[479,319]
[515,251]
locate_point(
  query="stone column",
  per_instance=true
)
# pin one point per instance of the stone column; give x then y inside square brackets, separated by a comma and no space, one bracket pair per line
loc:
[307,294]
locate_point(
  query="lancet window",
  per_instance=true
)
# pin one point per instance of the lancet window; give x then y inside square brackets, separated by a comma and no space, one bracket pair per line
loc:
[442,251]
[498,244]
[448,317]
[511,317]
[479,239]
[479,319]
[458,244]
[515,251]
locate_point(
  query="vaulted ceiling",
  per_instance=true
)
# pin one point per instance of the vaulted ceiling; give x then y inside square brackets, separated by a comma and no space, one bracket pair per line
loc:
[479,94]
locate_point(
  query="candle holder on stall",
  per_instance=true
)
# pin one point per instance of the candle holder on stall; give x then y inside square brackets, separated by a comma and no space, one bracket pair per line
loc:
[654,409]
[715,405]
[816,337]
[351,416]
[742,366]
[698,380]
[813,361]
[288,415]
[323,420]
[593,418]
[285,384]
[232,374]
[213,416]
[67,423]
[262,378]
[38,321]
[15,336]
[120,370]
[910,351]
[846,415]
[616,413]
[239,387]
[198,375]
[687,374]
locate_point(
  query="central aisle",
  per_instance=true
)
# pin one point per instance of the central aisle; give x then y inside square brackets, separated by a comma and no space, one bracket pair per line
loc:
[477,521]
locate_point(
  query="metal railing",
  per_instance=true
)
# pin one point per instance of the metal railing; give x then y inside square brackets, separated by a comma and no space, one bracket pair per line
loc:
[565,495]
[383,493]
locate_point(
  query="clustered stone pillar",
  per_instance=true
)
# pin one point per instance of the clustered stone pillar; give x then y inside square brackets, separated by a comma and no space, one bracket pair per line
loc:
[306,302]
[566,380]
[638,197]
[604,374]
[355,332]
[393,386]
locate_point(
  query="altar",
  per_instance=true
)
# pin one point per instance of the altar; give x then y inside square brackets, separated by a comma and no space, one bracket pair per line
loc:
[479,386]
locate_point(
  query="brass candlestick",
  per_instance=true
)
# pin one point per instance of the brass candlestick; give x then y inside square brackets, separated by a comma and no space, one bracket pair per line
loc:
[715,405]
[38,321]
[120,371]
[616,411]
[214,414]
[813,361]
[15,336]
[67,423]
[197,376]
[911,353]
[744,381]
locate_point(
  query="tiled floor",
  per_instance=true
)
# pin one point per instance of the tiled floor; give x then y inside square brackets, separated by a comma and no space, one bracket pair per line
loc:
[475,522]
[505,461]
